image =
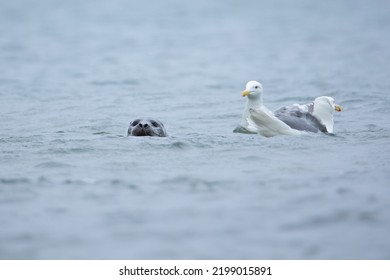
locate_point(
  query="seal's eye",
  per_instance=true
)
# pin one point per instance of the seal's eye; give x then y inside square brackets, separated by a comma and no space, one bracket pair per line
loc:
[154,123]
[135,122]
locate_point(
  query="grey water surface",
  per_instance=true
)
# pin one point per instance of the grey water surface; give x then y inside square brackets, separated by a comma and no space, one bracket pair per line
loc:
[73,74]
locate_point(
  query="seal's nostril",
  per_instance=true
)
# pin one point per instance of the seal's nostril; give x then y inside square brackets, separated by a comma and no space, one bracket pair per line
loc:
[146,125]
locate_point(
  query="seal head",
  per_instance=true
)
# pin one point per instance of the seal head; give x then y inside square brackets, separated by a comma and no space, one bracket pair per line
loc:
[146,127]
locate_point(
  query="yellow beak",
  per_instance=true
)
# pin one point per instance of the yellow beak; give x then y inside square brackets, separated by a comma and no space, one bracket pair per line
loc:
[245,93]
[337,108]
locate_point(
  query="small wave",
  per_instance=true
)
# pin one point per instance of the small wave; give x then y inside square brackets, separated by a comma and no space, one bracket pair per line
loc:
[52,164]
[118,183]
[69,150]
[115,82]
[105,83]
[14,181]
[331,134]
[22,139]
[240,129]
[78,182]
[194,184]
[373,128]
[130,82]
[319,220]
[179,145]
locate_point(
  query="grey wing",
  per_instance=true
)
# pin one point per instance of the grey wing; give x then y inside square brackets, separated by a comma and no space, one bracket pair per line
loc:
[300,118]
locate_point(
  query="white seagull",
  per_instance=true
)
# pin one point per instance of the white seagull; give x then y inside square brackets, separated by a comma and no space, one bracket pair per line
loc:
[289,120]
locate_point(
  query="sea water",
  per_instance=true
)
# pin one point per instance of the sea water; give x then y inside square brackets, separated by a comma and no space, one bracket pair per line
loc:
[73,74]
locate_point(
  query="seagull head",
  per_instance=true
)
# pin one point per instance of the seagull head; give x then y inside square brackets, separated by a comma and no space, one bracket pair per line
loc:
[326,103]
[253,90]
[324,107]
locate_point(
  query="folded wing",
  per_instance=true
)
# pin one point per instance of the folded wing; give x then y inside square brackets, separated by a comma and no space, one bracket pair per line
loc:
[300,117]
[268,125]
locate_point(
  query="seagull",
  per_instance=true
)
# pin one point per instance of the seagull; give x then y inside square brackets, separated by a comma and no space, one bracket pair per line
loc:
[316,116]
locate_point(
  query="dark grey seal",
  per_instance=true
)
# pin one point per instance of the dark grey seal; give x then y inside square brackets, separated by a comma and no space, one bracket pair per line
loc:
[146,127]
